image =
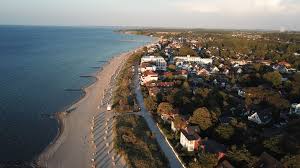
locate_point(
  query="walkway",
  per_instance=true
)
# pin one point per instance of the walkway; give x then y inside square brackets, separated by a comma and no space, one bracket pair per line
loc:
[167,150]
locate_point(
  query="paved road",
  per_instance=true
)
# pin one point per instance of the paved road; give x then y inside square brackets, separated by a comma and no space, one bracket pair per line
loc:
[173,161]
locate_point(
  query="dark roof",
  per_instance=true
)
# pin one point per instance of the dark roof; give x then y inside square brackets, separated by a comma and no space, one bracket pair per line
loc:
[267,161]
[212,146]
[190,134]
[224,164]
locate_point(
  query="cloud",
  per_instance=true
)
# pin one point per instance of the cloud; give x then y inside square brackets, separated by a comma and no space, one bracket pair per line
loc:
[246,7]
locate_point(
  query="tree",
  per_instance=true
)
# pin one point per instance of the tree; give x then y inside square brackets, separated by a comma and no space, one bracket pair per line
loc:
[274,78]
[224,132]
[165,107]
[291,161]
[274,144]
[202,117]
[150,104]
[240,157]
[172,67]
[186,50]
[208,160]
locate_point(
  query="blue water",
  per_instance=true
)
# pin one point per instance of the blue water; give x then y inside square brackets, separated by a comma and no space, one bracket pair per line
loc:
[37,64]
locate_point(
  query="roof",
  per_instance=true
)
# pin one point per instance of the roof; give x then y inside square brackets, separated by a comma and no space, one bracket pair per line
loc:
[267,161]
[212,146]
[224,164]
[147,73]
[165,84]
[190,134]
[286,64]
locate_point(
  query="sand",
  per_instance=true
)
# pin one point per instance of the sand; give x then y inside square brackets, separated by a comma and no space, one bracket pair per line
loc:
[72,148]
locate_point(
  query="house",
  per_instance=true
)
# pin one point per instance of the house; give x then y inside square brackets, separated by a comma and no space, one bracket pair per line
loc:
[280,68]
[165,84]
[212,146]
[241,93]
[239,62]
[215,70]
[182,73]
[148,76]
[190,139]
[239,71]
[147,67]
[267,161]
[159,61]
[169,116]
[261,118]
[295,108]
[203,72]
[285,64]
[189,59]
[226,72]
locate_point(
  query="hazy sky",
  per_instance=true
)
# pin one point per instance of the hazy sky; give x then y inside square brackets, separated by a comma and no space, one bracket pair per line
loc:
[262,14]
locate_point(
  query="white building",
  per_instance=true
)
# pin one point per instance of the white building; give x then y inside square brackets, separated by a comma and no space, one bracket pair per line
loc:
[148,76]
[260,118]
[295,109]
[189,139]
[147,67]
[189,59]
[159,61]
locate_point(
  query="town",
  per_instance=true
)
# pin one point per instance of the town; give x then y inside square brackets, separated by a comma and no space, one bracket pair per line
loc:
[228,99]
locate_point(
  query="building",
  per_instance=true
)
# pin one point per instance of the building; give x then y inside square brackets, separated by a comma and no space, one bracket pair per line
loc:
[260,118]
[295,108]
[147,67]
[190,139]
[189,59]
[148,76]
[159,61]
[203,72]
[267,161]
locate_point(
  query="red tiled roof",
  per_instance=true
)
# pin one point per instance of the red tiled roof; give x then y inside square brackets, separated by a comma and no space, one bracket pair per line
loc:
[147,73]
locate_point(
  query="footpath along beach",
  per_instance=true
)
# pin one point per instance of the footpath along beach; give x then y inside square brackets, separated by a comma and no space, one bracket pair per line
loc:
[73,147]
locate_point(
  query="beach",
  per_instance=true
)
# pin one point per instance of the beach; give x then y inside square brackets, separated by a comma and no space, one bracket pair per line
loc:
[72,147]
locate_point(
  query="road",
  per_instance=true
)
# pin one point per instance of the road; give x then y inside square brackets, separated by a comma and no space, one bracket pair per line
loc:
[167,150]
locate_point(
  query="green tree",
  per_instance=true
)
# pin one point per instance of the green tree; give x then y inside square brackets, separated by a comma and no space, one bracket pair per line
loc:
[208,160]
[274,78]
[150,104]
[202,117]
[291,161]
[274,144]
[224,132]
[186,50]
[172,67]
[240,157]
[165,107]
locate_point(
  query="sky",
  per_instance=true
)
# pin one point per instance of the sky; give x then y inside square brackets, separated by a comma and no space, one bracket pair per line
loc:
[229,14]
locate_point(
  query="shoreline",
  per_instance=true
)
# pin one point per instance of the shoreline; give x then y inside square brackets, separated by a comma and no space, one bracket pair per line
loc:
[63,118]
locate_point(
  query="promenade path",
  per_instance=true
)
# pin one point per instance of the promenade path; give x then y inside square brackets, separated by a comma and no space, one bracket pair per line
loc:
[167,150]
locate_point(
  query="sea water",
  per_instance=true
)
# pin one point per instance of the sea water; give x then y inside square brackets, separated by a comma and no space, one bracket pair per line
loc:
[37,65]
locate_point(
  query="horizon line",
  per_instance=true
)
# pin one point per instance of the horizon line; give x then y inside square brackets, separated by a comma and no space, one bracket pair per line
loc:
[152,27]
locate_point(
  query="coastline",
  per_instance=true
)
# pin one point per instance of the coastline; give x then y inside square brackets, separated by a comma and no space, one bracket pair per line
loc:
[65,120]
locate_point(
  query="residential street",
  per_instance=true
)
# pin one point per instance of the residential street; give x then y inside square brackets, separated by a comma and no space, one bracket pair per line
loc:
[171,156]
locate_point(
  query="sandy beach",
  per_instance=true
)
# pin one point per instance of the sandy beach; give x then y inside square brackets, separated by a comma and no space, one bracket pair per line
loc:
[72,148]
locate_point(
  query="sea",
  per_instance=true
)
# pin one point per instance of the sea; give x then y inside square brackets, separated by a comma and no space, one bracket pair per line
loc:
[39,68]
